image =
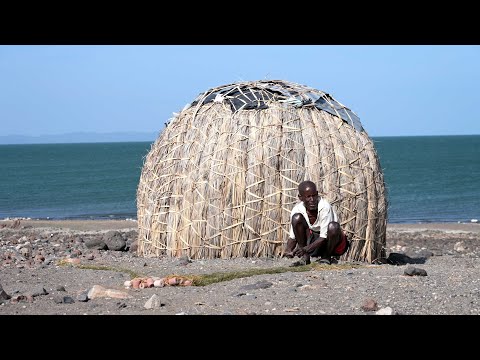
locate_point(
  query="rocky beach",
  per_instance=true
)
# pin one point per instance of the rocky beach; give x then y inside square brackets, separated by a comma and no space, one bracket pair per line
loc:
[74,267]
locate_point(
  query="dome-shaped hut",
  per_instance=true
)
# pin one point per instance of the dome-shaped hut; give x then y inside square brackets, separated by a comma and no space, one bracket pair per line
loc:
[221,179]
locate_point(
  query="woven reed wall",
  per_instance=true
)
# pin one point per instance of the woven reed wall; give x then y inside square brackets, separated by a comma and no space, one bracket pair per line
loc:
[221,184]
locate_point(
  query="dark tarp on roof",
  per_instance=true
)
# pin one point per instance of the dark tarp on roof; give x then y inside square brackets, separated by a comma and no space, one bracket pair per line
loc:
[255,95]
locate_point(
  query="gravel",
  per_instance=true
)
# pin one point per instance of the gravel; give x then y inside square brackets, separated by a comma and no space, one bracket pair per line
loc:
[440,276]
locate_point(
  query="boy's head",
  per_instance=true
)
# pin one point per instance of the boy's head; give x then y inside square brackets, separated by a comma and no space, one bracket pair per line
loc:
[307,192]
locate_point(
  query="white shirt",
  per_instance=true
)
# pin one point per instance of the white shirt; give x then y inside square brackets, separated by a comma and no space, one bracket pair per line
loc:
[326,213]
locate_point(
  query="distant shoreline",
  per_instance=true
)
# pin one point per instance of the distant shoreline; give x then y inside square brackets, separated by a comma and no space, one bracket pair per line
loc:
[78,137]
[85,138]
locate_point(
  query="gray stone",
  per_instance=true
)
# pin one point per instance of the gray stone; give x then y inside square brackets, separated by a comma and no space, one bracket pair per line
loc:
[153,303]
[83,297]
[133,246]
[38,291]
[68,300]
[62,299]
[459,246]
[114,241]
[3,294]
[413,271]
[96,244]
[385,311]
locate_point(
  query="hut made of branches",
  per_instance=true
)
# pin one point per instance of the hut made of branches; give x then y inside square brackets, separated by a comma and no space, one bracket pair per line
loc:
[221,179]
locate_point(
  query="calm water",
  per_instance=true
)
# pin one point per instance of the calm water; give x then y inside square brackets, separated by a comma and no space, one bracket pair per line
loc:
[94,180]
[428,179]
[431,178]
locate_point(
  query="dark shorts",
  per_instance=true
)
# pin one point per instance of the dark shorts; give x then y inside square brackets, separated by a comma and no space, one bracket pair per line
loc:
[339,250]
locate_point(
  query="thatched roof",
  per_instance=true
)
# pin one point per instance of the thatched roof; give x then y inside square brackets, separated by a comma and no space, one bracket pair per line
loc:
[221,179]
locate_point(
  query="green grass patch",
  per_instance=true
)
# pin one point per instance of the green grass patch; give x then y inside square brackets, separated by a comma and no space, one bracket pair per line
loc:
[207,279]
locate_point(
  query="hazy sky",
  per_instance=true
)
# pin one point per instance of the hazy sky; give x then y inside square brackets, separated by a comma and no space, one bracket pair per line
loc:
[395,90]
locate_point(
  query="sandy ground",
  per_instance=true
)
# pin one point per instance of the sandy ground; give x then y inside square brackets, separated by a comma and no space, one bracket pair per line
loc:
[96,225]
[447,227]
[47,269]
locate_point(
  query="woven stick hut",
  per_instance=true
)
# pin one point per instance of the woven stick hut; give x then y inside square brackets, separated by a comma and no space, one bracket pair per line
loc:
[221,179]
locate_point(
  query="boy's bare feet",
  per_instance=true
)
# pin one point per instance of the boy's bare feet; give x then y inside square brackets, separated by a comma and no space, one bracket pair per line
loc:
[326,261]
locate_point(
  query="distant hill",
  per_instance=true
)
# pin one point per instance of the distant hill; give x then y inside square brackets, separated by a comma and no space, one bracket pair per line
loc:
[79,137]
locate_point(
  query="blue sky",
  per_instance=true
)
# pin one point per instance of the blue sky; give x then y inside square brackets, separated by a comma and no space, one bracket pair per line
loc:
[395,90]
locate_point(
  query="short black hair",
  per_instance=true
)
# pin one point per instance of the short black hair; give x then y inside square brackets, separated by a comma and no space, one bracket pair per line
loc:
[304,184]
